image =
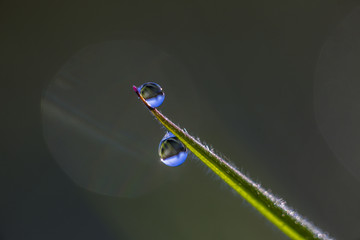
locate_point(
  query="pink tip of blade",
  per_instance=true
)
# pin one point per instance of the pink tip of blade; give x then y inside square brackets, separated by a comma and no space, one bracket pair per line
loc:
[135,88]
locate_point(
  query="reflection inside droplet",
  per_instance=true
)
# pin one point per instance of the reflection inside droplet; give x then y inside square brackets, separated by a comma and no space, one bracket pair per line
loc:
[152,93]
[172,151]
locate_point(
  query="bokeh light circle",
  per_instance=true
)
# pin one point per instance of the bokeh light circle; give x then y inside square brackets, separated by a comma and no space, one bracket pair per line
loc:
[97,130]
[337,92]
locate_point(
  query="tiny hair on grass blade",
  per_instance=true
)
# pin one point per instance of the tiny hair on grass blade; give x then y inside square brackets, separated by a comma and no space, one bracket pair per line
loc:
[274,209]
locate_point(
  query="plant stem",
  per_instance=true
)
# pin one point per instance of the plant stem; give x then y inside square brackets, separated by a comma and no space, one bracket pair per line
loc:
[273,208]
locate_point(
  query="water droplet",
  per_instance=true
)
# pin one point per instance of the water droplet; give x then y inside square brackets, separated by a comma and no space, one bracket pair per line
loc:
[152,93]
[172,151]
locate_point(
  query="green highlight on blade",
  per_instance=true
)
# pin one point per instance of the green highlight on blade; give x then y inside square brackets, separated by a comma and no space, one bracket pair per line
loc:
[271,207]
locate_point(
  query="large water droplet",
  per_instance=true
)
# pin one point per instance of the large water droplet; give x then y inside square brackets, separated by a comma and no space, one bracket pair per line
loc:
[172,151]
[152,93]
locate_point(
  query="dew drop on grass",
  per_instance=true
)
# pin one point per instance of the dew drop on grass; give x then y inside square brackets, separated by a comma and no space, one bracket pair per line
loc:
[152,93]
[172,151]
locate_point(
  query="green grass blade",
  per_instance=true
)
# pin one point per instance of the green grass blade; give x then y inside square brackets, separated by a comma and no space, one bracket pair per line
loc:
[273,208]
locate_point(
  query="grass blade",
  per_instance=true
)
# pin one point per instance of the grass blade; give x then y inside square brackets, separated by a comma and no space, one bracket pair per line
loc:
[271,207]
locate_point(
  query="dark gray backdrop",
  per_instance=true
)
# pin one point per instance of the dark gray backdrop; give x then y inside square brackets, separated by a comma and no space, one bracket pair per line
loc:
[249,78]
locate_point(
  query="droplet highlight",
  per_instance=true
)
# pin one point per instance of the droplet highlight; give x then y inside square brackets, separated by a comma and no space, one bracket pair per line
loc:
[172,151]
[152,93]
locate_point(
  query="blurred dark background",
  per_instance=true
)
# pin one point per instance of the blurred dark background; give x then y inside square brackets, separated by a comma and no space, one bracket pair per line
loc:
[245,77]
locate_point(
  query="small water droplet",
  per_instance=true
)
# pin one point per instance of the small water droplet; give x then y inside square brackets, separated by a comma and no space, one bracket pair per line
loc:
[152,93]
[172,151]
